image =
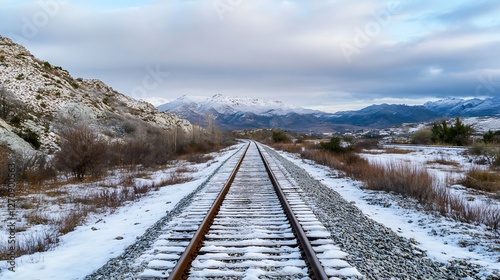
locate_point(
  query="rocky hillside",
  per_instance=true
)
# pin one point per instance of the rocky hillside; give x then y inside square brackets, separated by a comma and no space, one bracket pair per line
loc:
[38,99]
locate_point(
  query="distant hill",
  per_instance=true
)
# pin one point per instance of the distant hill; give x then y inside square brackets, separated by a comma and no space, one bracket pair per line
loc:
[384,115]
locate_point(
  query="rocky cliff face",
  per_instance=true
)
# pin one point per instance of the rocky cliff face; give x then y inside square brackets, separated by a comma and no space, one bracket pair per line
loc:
[37,98]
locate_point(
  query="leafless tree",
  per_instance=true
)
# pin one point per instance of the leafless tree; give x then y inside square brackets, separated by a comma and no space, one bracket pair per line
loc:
[214,134]
[82,151]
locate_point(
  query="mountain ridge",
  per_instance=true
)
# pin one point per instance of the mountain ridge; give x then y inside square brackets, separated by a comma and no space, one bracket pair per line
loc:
[251,113]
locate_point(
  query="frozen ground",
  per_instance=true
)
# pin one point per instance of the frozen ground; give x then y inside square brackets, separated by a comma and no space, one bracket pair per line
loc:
[89,247]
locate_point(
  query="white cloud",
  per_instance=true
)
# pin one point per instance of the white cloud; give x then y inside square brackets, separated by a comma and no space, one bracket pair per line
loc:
[286,50]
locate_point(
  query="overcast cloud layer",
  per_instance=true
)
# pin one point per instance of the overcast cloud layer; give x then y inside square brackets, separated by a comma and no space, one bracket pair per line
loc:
[330,55]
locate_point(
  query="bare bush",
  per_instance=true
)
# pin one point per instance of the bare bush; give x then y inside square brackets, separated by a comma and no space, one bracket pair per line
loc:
[366,144]
[422,137]
[35,169]
[82,152]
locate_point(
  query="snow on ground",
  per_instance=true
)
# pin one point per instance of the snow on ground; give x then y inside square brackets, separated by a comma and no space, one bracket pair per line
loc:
[103,237]
[90,246]
[443,239]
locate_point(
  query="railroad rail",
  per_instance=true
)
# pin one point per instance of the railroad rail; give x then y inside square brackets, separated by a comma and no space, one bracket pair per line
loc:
[255,225]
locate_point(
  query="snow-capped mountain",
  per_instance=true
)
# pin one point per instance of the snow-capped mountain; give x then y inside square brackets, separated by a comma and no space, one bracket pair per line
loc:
[36,97]
[245,113]
[229,105]
[453,107]
[250,113]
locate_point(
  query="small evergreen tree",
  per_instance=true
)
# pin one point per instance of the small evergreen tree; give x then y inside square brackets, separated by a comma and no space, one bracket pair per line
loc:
[458,134]
[491,137]
[335,145]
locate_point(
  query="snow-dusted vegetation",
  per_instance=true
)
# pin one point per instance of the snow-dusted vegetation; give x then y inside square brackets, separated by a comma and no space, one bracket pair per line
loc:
[419,192]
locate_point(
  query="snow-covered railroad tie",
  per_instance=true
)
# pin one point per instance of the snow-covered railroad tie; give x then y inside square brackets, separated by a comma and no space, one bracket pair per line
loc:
[252,235]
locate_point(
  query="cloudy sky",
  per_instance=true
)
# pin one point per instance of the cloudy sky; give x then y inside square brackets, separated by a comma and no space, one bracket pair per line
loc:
[323,54]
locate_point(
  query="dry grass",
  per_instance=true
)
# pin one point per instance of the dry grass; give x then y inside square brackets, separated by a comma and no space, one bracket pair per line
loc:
[412,181]
[484,180]
[444,161]
[288,147]
[199,158]
[30,243]
[458,208]
[109,198]
[74,218]
[397,151]
[352,164]
[400,177]
[36,217]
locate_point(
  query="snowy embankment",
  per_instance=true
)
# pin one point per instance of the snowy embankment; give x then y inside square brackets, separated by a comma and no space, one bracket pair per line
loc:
[444,240]
[103,237]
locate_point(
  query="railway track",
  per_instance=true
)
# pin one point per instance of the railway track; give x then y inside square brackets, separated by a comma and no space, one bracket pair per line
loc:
[249,222]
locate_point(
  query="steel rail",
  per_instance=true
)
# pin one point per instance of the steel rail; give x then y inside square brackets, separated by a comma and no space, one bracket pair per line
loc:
[317,270]
[180,271]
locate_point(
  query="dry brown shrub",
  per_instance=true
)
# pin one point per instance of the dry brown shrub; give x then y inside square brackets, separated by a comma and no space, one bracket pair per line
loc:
[443,161]
[403,178]
[82,152]
[366,144]
[69,221]
[36,217]
[198,158]
[484,180]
